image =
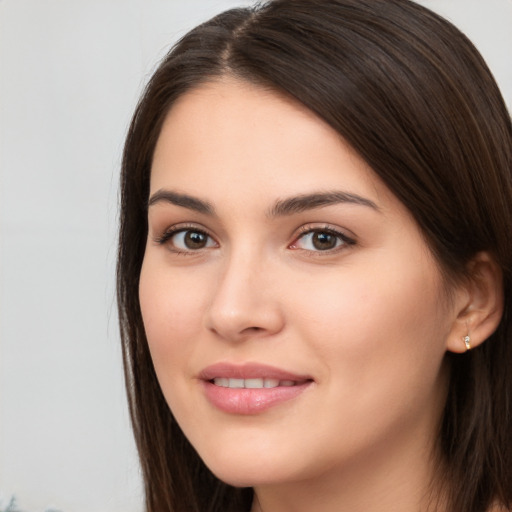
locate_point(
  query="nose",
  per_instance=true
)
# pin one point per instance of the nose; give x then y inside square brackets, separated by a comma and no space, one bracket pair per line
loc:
[247,301]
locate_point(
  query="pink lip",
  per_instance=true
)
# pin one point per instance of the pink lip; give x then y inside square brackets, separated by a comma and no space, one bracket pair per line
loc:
[249,371]
[250,401]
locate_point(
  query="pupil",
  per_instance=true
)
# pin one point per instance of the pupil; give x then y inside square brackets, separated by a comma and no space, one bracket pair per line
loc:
[195,240]
[324,241]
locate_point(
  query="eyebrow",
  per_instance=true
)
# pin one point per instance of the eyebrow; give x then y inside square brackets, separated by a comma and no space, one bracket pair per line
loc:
[184,200]
[306,202]
[282,207]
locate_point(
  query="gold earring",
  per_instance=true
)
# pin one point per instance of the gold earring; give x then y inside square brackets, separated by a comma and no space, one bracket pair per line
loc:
[467,342]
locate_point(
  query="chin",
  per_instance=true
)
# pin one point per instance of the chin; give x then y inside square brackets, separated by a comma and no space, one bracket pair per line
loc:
[244,471]
[248,477]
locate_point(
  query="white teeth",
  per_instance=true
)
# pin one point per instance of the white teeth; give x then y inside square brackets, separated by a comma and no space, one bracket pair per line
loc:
[271,383]
[251,383]
[236,383]
[254,383]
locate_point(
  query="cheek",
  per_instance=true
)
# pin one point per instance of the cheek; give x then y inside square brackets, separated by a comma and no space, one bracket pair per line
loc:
[172,314]
[371,323]
[381,346]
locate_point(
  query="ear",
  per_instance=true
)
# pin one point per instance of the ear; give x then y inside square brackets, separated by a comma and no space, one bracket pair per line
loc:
[478,302]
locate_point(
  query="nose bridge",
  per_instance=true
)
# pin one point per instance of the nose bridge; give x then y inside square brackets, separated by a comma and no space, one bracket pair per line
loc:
[244,303]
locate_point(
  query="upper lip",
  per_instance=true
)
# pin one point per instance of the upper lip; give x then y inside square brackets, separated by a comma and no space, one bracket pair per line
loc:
[249,371]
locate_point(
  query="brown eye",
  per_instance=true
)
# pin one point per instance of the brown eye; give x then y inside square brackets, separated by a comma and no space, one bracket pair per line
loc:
[195,239]
[321,240]
[186,240]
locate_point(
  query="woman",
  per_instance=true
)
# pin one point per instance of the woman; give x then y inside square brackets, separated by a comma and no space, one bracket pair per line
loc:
[315,266]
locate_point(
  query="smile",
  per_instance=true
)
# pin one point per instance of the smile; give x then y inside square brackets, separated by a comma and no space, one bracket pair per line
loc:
[253,383]
[250,388]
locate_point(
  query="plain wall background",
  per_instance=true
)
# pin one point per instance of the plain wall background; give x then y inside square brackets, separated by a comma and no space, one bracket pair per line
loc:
[70,75]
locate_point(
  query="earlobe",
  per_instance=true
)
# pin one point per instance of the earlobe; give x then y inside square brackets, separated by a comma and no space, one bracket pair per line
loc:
[480,305]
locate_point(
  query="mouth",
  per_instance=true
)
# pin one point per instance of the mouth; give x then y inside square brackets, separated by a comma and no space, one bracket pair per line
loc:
[250,388]
[258,383]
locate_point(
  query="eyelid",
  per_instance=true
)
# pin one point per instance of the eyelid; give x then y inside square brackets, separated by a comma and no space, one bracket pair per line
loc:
[323,228]
[347,240]
[170,231]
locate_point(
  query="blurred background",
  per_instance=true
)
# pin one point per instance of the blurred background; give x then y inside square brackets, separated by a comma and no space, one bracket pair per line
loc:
[70,75]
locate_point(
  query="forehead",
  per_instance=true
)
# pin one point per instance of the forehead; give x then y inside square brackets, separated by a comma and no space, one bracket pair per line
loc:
[236,132]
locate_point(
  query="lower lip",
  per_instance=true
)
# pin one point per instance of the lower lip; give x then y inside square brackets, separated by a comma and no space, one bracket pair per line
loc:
[250,401]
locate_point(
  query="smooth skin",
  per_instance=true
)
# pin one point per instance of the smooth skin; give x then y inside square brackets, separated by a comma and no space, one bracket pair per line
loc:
[346,292]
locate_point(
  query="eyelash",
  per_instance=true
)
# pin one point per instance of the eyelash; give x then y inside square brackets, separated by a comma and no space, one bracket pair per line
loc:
[309,230]
[304,231]
[171,232]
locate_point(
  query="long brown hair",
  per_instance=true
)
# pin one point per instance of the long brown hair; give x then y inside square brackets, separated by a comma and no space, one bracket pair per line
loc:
[414,98]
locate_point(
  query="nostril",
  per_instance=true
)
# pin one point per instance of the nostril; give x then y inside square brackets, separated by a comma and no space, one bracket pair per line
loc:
[253,329]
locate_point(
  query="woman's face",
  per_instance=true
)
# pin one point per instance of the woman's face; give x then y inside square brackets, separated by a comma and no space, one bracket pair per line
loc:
[295,316]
